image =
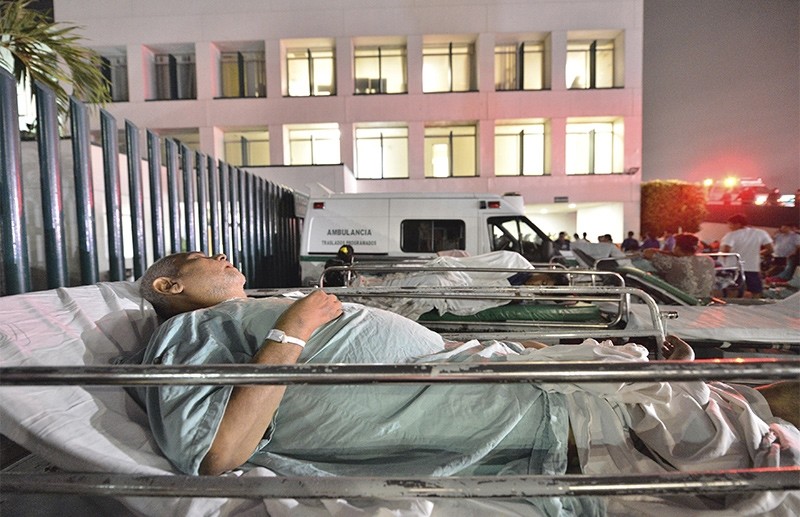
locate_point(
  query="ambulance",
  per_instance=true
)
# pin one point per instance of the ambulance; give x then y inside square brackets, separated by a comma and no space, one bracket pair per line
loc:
[402,226]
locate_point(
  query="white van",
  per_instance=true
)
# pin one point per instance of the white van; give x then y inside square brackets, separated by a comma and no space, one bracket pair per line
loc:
[400,226]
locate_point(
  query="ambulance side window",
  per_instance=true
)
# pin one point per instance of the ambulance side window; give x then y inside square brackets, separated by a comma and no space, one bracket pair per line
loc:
[430,236]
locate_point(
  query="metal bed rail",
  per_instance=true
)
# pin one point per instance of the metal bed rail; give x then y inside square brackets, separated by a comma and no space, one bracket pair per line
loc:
[500,487]
[408,267]
[491,373]
[354,488]
[611,296]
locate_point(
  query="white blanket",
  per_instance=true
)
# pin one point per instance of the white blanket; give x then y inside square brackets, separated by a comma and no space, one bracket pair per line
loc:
[414,307]
[777,322]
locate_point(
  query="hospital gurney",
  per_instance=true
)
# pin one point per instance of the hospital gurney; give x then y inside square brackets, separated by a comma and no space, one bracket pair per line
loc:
[102,445]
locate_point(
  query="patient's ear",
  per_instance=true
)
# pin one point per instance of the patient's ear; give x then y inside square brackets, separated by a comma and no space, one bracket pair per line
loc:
[166,285]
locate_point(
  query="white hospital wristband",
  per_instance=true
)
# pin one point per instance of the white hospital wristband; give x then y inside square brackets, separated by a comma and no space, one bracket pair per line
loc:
[281,337]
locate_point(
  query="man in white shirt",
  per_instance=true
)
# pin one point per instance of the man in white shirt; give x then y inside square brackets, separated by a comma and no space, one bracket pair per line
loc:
[748,242]
[787,243]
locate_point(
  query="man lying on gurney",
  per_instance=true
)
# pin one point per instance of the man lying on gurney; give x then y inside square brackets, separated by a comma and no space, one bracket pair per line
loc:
[418,429]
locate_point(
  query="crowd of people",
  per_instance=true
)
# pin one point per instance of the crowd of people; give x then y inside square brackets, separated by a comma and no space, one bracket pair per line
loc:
[767,260]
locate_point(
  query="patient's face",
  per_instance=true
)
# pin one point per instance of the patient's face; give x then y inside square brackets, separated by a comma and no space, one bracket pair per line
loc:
[209,280]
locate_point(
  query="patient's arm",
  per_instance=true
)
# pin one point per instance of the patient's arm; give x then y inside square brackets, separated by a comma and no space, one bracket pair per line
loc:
[243,426]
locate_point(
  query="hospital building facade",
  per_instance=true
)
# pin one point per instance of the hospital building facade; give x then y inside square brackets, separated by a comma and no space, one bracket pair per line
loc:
[542,98]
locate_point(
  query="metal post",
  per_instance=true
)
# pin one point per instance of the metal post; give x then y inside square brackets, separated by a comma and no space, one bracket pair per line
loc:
[50,175]
[233,186]
[12,204]
[243,230]
[188,198]
[156,208]
[213,200]
[110,140]
[202,202]
[225,210]
[272,248]
[136,198]
[84,192]
[172,193]
[259,231]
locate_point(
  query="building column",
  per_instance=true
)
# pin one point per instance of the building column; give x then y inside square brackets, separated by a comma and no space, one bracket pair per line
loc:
[558,63]
[206,69]
[414,64]
[416,150]
[140,70]
[558,146]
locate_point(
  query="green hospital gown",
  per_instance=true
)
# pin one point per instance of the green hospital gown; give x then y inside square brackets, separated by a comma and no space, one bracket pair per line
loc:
[358,430]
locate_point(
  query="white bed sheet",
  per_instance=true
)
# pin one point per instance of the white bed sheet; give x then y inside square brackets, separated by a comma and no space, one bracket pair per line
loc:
[413,308]
[777,322]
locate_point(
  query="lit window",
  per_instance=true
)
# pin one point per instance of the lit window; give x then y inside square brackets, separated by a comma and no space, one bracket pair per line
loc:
[448,68]
[381,153]
[311,72]
[519,66]
[519,150]
[450,152]
[314,146]
[590,64]
[247,148]
[594,147]
[176,77]
[380,70]
[242,74]
[115,71]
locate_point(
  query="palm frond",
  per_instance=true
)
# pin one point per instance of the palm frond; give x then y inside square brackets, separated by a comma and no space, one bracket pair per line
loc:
[52,53]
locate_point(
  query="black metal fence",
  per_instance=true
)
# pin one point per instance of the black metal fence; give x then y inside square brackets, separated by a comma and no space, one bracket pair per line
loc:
[192,202]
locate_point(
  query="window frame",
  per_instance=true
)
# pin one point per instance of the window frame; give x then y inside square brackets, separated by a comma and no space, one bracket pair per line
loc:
[440,231]
[521,146]
[383,79]
[616,137]
[245,148]
[243,79]
[313,57]
[590,62]
[451,134]
[387,158]
[451,52]
[176,76]
[112,72]
[313,144]
[521,77]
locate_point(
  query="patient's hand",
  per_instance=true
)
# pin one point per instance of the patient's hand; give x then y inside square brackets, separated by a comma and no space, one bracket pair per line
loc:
[305,315]
[677,349]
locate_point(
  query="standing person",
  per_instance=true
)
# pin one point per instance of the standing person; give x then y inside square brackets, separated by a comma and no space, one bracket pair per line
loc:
[649,242]
[630,243]
[683,268]
[748,242]
[669,241]
[562,243]
[787,243]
